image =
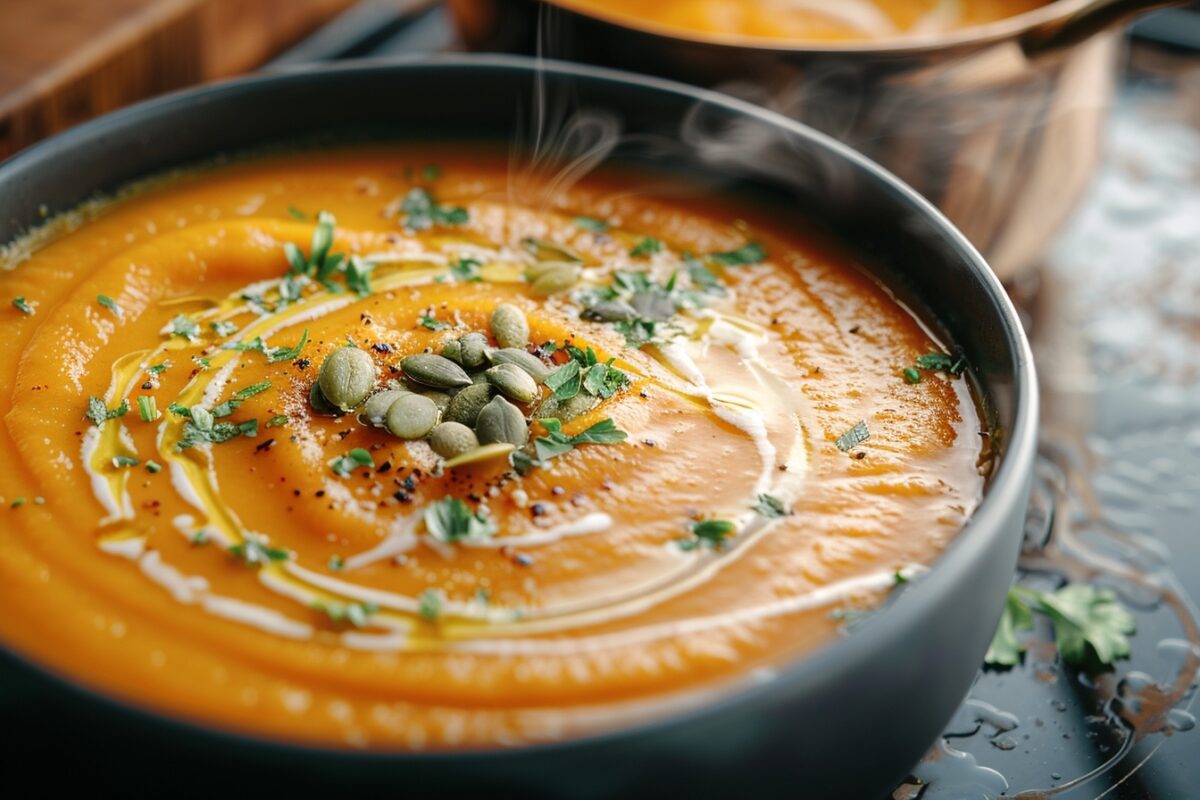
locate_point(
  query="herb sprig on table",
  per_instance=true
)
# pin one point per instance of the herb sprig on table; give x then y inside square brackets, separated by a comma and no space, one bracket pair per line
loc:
[1090,625]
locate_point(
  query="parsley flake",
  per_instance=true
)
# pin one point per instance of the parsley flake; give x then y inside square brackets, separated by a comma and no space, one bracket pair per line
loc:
[433,323]
[853,437]
[22,305]
[110,304]
[711,532]
[770,506]
[751,253]
[451,520]
[99,413]
[344,465]
[421,211]
[557,443]
[255,551]
[647,246]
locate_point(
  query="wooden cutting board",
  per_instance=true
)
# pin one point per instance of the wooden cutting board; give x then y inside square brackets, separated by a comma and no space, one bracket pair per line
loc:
[65,61]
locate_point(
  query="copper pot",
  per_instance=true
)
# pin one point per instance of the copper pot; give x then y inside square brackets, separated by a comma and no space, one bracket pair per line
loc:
[1000,124]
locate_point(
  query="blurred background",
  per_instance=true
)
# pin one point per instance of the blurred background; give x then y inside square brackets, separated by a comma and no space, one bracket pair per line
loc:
[1069,153]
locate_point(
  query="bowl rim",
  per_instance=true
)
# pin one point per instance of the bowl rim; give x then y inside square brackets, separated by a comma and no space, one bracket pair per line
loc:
[1006,486]
[1058,11]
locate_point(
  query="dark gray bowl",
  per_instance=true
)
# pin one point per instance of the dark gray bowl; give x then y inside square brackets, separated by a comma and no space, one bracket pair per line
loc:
[846,722]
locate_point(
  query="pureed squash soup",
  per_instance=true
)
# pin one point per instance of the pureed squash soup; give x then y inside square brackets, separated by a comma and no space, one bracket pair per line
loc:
[348,447]
[806,20]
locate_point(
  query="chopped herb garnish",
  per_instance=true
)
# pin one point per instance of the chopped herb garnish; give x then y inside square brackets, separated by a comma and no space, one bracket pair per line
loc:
[911,375]
[202,428]
[99,413]
[936,362]
[638,332]
[648,245]
[853,437]
[158,369]
[124,461]
[277,420]
[433,323]
[147,408]
[751,253]
[17,502]
[357,614]
[255,551]
[592,224]
[22,305]
[566,380]
[185,327]
[467,270]
[297,214]
[223,327]
[344,465]
[1090,625]
[203,362]
[110,304]
[703,277]
[421,212]
[770,506]
[153,467]
[604,380]
[429,604]
[336,563]
[251,390]
[288,353]
[358,275]
[450,520]
[711,532]
[556,443]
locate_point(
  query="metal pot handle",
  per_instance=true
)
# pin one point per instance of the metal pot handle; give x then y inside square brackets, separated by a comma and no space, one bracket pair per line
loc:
[1092,18]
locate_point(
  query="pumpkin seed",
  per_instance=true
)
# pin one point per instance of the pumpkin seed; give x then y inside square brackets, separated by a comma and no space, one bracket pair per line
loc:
[473,348]
[411,416]
[319,403]
[482,453]
[513,382]
[501,421]
[509,326]
[453,351]
[555,281]
[610,311]
[434,371]
[466,405]
[440,399]
[347,376]
[543,250]
[375,410]
[527,361]
[535,271]
[452,439]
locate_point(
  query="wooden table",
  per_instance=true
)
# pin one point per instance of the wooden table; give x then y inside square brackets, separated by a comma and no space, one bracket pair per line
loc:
[65,61]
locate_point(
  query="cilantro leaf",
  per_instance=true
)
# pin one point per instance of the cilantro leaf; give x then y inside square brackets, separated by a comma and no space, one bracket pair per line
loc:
[751,253]
[1086,617]
[646,246]
[557,443]
[1005,650]
[421,211]
[99,413]
[358,276]
[344,465]
[450,520]
[604,380]
[565,381]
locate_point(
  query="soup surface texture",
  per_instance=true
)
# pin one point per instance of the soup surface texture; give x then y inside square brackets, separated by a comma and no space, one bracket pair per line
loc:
[806,20]
[692,439]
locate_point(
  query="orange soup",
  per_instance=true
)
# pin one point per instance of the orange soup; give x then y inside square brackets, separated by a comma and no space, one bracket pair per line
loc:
[805,20]
[355,448]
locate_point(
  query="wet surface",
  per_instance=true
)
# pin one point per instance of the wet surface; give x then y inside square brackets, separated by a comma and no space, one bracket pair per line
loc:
[1115,321]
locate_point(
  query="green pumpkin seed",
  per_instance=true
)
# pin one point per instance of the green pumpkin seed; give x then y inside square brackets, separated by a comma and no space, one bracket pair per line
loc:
[440,399]
[555,281]
[509,326]
[466,405]
[610,311]
[474,348]
[434,371]
[544,250]
[567,410]
[485,452]
[319,403]
[513,382]
[411,416]
[453,351]
[347,376]
[452,439]
[501,421]
[527,361]
[374,411]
